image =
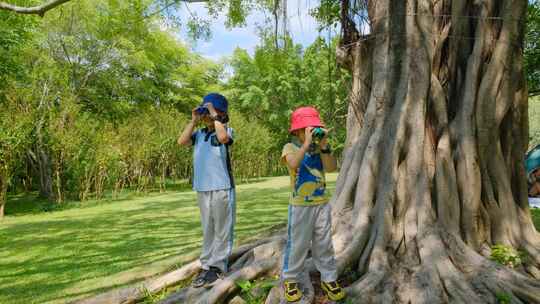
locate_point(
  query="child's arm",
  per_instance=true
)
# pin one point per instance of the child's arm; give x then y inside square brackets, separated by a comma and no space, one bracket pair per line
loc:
[328,160]
[295,159]
[221,131]
[185,137]
[535,190]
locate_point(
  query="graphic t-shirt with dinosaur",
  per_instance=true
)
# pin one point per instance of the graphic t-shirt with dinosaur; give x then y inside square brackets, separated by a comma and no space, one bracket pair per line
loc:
[307,182]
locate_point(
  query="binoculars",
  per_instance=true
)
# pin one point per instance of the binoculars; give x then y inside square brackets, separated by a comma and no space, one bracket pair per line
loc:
[318,134]
[202,111]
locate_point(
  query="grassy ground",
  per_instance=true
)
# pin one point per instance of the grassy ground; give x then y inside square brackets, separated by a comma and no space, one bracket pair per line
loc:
[59,256]
[536,218]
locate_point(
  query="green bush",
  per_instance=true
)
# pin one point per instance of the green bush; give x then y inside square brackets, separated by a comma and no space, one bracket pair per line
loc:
[503,298]
[255,292]
[506,255]
[252,155]
[534,121]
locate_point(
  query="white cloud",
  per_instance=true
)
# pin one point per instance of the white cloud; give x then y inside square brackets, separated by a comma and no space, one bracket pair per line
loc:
[302,27]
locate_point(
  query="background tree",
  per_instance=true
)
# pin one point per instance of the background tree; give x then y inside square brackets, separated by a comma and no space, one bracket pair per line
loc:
[269,86]
[532,48]
[14,138]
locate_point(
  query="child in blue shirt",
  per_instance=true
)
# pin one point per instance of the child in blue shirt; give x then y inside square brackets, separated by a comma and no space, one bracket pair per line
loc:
[213,181]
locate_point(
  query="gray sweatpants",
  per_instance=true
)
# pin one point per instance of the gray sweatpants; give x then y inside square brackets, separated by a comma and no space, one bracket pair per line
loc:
[218,213]
[309,227]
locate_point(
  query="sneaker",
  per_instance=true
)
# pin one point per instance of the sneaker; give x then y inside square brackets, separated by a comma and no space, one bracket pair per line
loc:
[213,275]
[200,279]
[333,291]
[292,292]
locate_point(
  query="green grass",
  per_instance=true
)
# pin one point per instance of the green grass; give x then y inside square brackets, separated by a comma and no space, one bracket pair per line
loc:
[536,218]
[59,256]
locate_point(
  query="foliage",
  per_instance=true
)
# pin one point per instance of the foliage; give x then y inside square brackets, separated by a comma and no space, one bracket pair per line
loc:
[14,139]
[111,94]
[327,13]
[532,47]
[103,89]
[503,298]
[534,121]
[15,33]
[269,85]
[116,66]
[506,255]
[251,155]
[255,292]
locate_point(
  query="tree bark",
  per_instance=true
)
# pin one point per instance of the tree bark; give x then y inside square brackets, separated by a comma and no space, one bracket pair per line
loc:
[45,174]
[3,194]
[435,176]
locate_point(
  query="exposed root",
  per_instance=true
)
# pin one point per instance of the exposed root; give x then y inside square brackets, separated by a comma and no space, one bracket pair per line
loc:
[134,293]
[258,261]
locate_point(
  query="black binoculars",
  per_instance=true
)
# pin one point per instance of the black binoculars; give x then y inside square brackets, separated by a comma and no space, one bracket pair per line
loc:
[202,111]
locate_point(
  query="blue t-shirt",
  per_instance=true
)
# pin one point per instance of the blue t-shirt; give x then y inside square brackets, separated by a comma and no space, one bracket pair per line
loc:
[308,182]
[211,161]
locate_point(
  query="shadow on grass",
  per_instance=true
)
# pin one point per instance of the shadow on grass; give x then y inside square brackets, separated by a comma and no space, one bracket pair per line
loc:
[49,258]
[30,202]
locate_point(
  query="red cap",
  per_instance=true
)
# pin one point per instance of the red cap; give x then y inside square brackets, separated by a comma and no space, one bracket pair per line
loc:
[305,117]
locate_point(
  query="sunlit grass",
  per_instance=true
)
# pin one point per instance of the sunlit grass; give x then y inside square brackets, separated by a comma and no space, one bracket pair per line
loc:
[59,256]
[536,218]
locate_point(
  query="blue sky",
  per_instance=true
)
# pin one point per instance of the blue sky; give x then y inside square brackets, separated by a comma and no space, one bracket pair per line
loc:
[302,26]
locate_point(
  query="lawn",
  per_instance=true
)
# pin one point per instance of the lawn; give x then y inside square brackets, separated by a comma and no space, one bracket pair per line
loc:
[56,257]
[59,256]
[536,218]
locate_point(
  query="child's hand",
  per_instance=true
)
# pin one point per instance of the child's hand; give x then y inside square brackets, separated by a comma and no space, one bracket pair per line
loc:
[323,144]
[195,115]
[211,109]
[308,136]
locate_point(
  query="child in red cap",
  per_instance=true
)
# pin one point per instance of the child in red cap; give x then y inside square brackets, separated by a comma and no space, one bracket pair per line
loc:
[309,225]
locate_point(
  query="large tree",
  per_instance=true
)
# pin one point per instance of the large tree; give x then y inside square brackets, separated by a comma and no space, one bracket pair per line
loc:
[434,176]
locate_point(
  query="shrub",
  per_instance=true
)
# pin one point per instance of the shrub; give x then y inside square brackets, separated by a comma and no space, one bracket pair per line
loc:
[506,255]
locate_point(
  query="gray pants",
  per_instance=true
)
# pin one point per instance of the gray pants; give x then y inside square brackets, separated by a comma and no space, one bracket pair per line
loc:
[218,213]
[309,228]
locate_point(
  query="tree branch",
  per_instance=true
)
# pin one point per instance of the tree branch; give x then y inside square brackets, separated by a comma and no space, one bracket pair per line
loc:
[42,9]
[36,10]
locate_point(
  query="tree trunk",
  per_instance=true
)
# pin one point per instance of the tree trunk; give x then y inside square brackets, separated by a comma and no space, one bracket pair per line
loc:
[3,194]
[43,159]
[45,174]
[433,175]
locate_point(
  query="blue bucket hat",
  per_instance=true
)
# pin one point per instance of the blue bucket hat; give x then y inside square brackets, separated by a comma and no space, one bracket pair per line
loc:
[532,162]
[217,100]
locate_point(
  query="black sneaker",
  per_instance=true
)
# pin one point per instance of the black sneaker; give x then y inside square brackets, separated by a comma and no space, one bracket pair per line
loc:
[213,275]
[200,280]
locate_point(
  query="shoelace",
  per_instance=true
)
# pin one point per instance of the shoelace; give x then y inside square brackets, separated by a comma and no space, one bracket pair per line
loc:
[333,286]
[292,288]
